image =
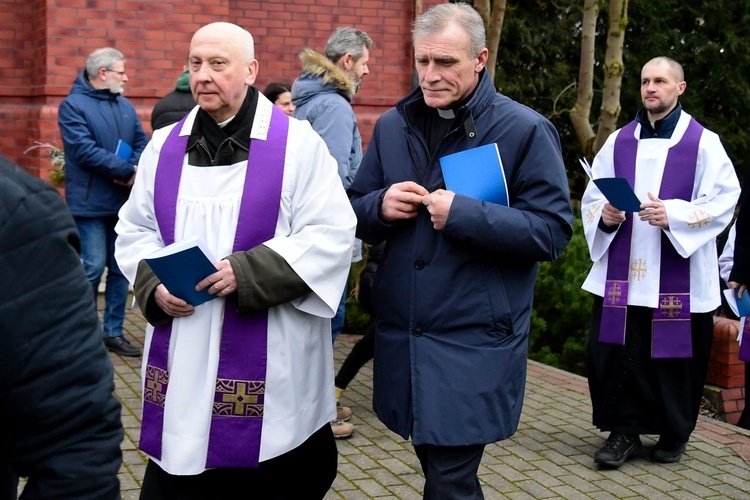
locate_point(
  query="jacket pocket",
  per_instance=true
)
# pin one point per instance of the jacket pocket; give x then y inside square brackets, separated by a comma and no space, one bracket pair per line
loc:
[497,298]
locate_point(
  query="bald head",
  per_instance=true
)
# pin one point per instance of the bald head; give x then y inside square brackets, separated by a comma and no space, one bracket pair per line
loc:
[662,84]
[227,33]
[673,66]
[222,65]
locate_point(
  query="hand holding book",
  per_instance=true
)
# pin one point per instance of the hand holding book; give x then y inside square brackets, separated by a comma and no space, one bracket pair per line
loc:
[619,194]
[181,266]
[478,173]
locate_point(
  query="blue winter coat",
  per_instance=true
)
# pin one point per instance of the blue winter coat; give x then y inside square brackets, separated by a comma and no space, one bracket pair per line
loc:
[453,307]
[91,123]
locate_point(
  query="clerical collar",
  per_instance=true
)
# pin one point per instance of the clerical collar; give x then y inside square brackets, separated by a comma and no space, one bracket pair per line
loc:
[660,129]
[446,114]
[216,133]
[224,123]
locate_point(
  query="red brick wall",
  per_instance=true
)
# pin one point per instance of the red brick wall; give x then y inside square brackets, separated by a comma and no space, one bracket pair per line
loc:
[46,44]
[725,370]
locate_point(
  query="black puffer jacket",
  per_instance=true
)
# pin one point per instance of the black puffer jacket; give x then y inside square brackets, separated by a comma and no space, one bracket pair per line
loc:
[61,420]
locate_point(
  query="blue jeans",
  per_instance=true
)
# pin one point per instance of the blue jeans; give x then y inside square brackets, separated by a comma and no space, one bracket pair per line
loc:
[97,251]
[337,322]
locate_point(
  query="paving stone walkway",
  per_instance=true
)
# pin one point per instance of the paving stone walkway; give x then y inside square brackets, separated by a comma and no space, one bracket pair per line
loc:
[549,457]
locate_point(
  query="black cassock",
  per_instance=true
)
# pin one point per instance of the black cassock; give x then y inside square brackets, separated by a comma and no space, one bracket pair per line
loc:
[632,393]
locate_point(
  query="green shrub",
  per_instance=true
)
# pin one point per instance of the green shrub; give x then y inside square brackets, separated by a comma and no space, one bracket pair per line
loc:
[562,310]
[357,319]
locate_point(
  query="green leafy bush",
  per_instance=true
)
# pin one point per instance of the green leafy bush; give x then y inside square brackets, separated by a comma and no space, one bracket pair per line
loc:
[562,310]
[357,319]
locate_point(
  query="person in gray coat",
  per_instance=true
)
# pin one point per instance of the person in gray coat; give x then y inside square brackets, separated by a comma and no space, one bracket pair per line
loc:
[322,96]
[454,289]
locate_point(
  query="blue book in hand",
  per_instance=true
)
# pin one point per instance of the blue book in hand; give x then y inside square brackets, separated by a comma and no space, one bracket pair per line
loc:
[182,265]
[743,304]
[124,150]
[476,172]
[619,194]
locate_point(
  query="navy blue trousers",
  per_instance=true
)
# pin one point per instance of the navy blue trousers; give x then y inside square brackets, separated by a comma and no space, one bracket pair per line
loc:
[450,471]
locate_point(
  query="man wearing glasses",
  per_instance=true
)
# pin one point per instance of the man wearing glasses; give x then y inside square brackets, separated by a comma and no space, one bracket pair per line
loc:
[103,139]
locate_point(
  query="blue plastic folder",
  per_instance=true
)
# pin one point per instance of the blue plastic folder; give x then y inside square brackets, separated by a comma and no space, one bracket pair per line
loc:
[476,172]
[619,194]
[124,150]
[743,304]
[182,265]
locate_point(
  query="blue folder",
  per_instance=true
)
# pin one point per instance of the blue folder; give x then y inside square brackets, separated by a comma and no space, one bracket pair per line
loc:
[619,194]
[124,150]
[476,172]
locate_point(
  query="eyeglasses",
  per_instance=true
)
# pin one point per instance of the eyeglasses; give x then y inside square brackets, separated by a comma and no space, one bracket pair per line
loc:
[121,73]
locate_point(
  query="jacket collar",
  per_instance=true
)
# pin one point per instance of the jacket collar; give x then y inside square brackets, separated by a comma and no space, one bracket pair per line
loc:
[315,64]
[663,128]
[413,104]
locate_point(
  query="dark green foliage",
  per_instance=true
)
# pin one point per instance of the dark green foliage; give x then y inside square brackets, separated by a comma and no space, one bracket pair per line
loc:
[357,319]
[559,321]
[709,38]
[538,64]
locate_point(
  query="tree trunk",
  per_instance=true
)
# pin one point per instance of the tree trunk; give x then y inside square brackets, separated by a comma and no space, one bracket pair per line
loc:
[493,18]
[580,115]
[613,71]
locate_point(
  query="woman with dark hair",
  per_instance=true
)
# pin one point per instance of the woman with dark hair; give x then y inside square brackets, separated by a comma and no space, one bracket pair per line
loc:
[281,95]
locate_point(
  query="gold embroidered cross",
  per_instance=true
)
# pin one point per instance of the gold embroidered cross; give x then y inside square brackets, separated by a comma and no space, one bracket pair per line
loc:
[593,210]
[154,385]
[638,269]
[240,398]
[670,306]
[698,219]
[615,293]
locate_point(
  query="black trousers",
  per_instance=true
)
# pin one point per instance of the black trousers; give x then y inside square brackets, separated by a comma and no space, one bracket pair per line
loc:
[305,473]
[450,472]
[632,393]
[362,352]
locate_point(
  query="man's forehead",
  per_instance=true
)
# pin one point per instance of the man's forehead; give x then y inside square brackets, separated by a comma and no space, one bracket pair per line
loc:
[448,43]
[205,49]
[440,49]
[658,69]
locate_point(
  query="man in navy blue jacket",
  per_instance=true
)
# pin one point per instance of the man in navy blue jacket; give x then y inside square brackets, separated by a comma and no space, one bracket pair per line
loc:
[454,289]
[103,139]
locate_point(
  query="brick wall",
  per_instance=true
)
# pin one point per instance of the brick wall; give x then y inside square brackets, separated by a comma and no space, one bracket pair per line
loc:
[725,370]
[46,44]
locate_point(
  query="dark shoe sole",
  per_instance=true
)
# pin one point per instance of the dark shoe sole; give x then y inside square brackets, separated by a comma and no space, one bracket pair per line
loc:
[612,464]
[662,457]
[119,345]
[126,354]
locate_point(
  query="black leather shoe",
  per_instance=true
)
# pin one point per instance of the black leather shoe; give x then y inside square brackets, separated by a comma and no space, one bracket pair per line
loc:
[668,450]
[120,346]
[617,449]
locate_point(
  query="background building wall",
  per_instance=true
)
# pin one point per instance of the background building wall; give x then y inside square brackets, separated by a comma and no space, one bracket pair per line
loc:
[46,43]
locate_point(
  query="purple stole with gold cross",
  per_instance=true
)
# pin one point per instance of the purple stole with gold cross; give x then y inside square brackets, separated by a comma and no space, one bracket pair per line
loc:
[237,413]
[671,333]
